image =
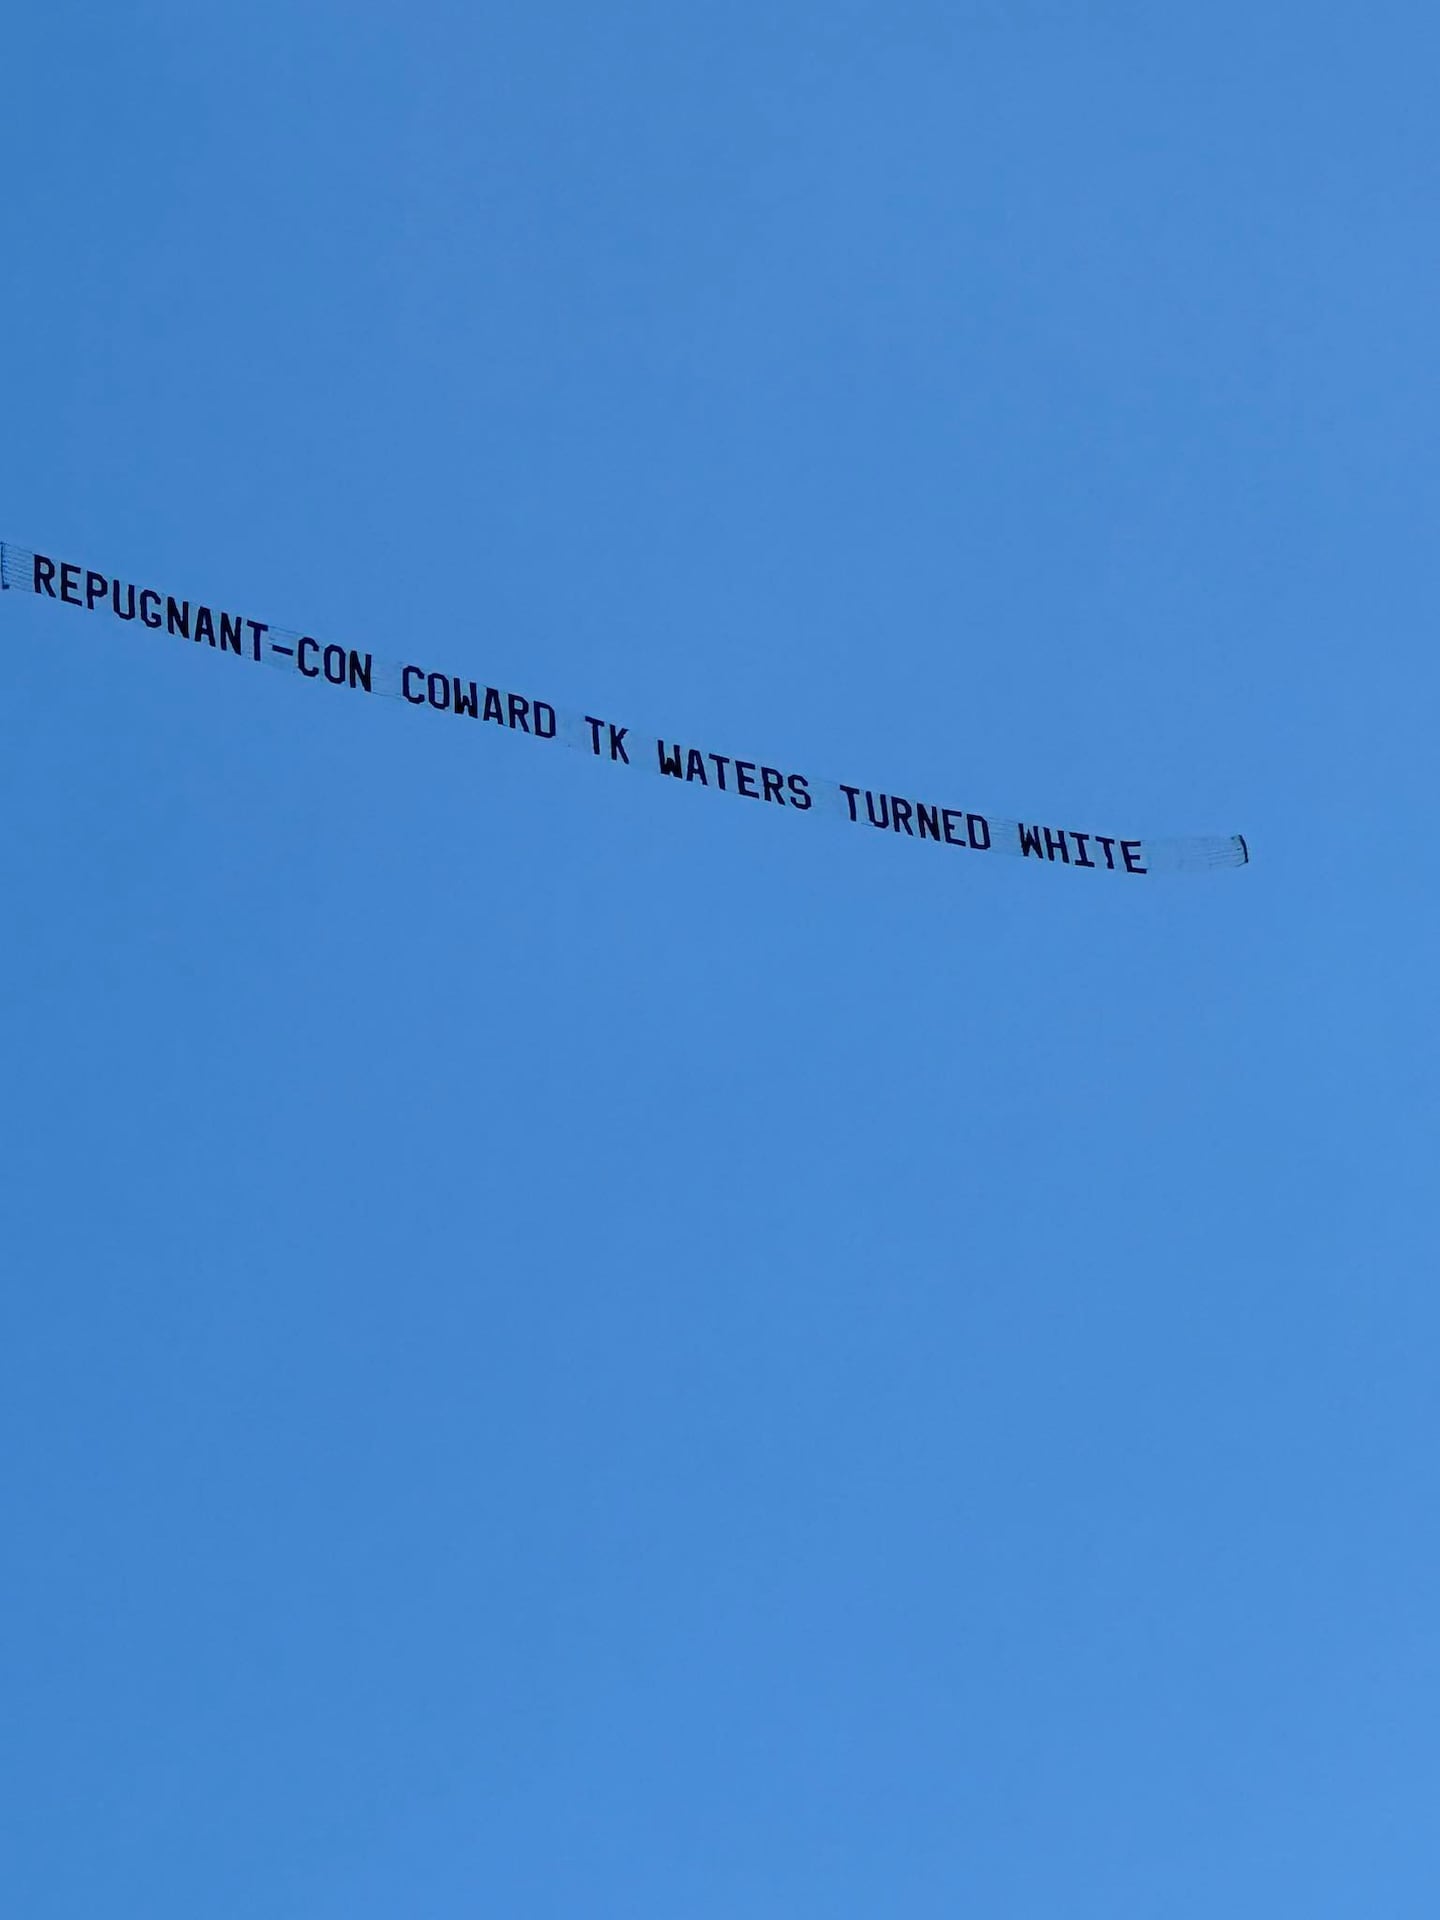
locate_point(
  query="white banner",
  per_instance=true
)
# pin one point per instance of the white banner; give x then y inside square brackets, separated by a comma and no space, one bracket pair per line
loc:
[418,682]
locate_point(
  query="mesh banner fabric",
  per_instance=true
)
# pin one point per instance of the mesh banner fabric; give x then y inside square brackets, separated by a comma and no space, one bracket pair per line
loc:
[438,691]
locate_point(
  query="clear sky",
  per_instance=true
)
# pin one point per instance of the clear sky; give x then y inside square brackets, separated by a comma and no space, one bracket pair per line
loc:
[573,1347]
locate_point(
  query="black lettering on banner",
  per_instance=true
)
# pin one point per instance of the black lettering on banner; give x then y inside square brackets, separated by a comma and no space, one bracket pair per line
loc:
[338,667]
[617,738]
[87,588]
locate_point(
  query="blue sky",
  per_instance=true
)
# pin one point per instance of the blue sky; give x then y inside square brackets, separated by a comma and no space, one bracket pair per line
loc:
[577,1348]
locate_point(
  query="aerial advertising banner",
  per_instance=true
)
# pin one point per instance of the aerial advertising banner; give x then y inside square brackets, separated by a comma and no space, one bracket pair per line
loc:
[960,825]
